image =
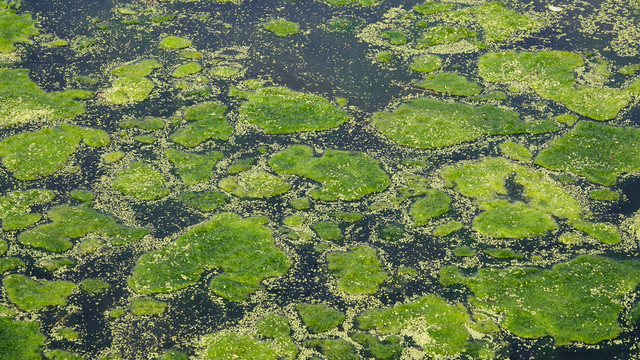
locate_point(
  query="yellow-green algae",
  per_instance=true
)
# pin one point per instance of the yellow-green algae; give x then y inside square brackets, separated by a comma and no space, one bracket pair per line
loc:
[551,75]
[206,200]
[426,63]
[387,349]
[334,349]
[439,328]
[391,231]
[319,317]
[23,101]
[464,251]
[449,83]
[444,35]
[604,195]
[516,151]
[20,340]
[94,286]
[282,28]
[36,154]
[174,43]
[433,7]
[147,305]
[596,151]
[55,264]
[226,345]
[15,206]
[357,270]
[241,165]
[395,37]
[328,230]
[131,84]
[604,232]
[150,124]
[15,28]
[186,70]
[241,248]
[503,254]
[447,228]
[431,205]
[280,110]
[344,175]
[140,180]
[32,295]
[207,122]
[193,168]
[10,263]
[426,123]
[73,222]
[66,333]
[82,195]
[62,355]
[575,301]
[254,183]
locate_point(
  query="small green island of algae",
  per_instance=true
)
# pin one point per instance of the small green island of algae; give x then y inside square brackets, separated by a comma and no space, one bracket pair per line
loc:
[282,28]
[32,295]
[141,181]
[193,168]
[319,317]
[15,206]
[20,340]
[14,28]
[357,270]
[206,121]
[254,183]
[131,84]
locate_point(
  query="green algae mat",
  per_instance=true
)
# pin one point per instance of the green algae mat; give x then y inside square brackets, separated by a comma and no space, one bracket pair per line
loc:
[321,179]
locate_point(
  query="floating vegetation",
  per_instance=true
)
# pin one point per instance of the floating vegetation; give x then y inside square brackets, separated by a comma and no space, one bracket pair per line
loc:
[20,340]
[15,28]
[147,305]
[426,63]
[226,345]
[94,286]
[29,295]
[449,83]
[357,271]
[433,204]
[207,200]
[516,151]
[319,317]
[15,206]
[174,43]
[131,84]
[140,180]
[604,195]
[254,183]
[207,122]
[186,70]
[328,230]
[444,35]
[193,168]
[282,28]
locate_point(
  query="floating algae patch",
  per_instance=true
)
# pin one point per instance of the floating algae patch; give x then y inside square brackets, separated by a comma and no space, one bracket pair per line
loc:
[279,110]
[29,295]
[387,349]
[207,121]
[515,220]
[193,168]
[439,328]
[241,165]
[576,301]
[33,155]
[433,7]
[319,317]
[426,63]
[604,232]
[147,305]
[149,124]
[503,254]
[391,232]
[10,263]
[254,183]
[328,230]
[604,195]
[334,349]
[229,345]
[73,222]
[449,83]
[447,228]
[145,139]
[433,204]
[20,340]
[426,123]
[82,195]
[516,151]
[282,28]
[187,69]
[444,35]
[94,286]
[344,175]
[23,101]
[551,75]
[241,248]
[206,200]
[174,43]
[395,37]
[140,180]
[131,84]
[15,28]
[596,151]
[62,355]
[15,206]
[357,270]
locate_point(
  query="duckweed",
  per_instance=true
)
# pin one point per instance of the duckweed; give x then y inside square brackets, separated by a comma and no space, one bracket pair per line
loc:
[72,222]
[208,122]
[186,70]
[499,22]
[344,175]
[445,35]
[20,340]
[15,206]
[241,165]
[29,295]
[426,63]
[113,157]
[348,217]
[33,155]
[426,123]
[150,124]
[140,180]
[207,200]
[433,204]
[254,183]
[279,110]
[282,28]
[193,168]
[147,305]
[216,243]
[174,43]
[503,219]
[357,271]
[319,317]
[449,83]
[131,84]
[328,230]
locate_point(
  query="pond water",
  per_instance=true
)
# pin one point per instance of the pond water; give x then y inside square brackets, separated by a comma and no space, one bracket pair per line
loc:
[322,179]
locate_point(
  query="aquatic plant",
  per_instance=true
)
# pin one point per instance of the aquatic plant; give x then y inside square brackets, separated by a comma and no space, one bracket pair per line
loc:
[254,183]
[225,71]
[150,124]
[186,70]
[10,263]
[426,63]
[15,206]
[431,205]
[15,28]
[604,232]
[447,228]
[273,326]
[174,43]
[279,110]
[516,151]
[227,345]
[334,349]
[515,220]
[20,340]
[29,295]
[94,286]
[464,251]
[449,83]
[82,195]
[499,22]
[426,123]
[62,355]
[131,84]
[147,305]
[432,7]
[141,181]
[58,263]
[207,122]
[328,230]
[319,317]
[503,254]
[242,248]
[391,231]
[72,222]
[206,200]
[395,37]
[241,165]
[193,168]
[282,28]
[344,175]
[444,35]
[357,270]
[387,349]
[604,195]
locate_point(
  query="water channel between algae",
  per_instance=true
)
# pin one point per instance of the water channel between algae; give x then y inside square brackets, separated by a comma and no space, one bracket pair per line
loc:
[322,179]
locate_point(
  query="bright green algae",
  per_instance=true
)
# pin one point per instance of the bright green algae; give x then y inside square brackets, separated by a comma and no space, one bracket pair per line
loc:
[576,301]
[29,295]
[242,248]
[140,180]
[279,110]
[551,75]
[23,101]
[433,204]
[33,155]
[174,43]
[207,121]
[20,340]
[426,123]
[148,124]
[282,28]
[387,349]
[328,230]
[516,151]
[147,305]
[207,200]
[254,183]
[187,69]
[596,151]
[344,175]
[334,349]
[357,271]
[226,345]
[444,35]
[319,317]
[604,195]
[15,206]
[449,83]
[426,63]
[15,28]
[193,168]
[62,355]
[73,222]
[94,286]
[131,84]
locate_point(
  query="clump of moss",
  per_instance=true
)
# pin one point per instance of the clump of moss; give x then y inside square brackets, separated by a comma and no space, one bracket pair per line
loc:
[426,63]
[387,349]
[503,254]
[447,228]
[345,175]
[20,340]
[255,183]
[445,35]
[15,206]
[72,222]
[576,301]
[426,123]
[140,180]
[596,151]
[328,230]
[10,263]
[174,43]
[207,122]
[193,168]
[449,83]
[357,271]
[551,75]
[273,326]
[434,203]
[15,28]
[282,28]
[241,165]
[515,151]
[334,349]
[29,295]
[464,251]
[604,232]
[147,305]
[94,286]
[604,195]
[319,317]
[57,263]
[279,110]
[395,37]
[131,84]
[228,345]
[391,231]
[149,124]
[23,101]
[207,200]
[187,69]
[40,153]
[503,219]
[242,249]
